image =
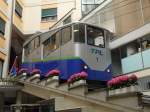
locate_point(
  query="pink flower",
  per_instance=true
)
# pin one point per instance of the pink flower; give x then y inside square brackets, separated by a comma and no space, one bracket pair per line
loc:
[124,78]
[133,77]
[35,71]
[109,83]
[53,72]
[77,76]
[23,70]
[83,74]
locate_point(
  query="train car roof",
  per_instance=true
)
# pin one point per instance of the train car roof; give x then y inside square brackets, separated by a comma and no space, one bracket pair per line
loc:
[55,30]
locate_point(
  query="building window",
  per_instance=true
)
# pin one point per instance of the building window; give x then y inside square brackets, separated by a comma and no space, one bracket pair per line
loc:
[89,5]
[2,27]
[67,20]
[18,9]
[1,68]
[49,14]
[145,43]
[66,35]
[95,36]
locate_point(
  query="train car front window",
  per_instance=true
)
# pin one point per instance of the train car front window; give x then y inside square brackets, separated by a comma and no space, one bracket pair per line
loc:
[79,33]
[95,36]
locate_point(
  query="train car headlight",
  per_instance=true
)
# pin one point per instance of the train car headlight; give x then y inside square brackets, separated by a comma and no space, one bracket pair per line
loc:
[108,70]
[85,67]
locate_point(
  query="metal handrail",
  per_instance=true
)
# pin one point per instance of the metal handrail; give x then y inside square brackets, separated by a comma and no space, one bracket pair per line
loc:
[7,82]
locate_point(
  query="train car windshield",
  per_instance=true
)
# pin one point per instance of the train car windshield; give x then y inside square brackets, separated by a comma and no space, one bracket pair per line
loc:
[95,36]
[79,33]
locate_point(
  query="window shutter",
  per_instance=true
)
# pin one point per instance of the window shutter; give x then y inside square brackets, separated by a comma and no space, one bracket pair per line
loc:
[49,12]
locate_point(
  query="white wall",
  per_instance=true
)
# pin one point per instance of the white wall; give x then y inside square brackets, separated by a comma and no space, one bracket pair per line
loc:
[64,7]
[32,16]
[32,19]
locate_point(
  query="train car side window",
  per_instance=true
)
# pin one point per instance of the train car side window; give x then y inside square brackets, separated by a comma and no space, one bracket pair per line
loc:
[27,49]
[51,44]
[37,42]
[66,35]
[32,45]
[79,33]
[95,36]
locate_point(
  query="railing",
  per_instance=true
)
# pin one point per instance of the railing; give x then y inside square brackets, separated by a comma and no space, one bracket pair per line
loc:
[62,19]
[136,62]
[144,83]
[5,82]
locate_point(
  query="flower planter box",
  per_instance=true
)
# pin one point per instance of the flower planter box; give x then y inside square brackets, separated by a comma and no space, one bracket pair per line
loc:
[34,78]
[77,83]
[124,90]
[52,81]
[42,82]
[78,88]
[22,76]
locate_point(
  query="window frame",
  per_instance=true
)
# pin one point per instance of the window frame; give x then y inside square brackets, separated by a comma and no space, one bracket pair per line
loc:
[79,31]
[38,44]
[95,4]
[32,46]
[57,47]
[47,18]
[2,22]
[2,63]
[18,12]
[102,33]
[67,20]
[62,34]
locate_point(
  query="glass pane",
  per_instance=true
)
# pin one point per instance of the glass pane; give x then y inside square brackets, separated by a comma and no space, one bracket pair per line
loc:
[18,9]
[32,45]
[37,42]
[51,44]
[79,33]
[2,26]
[95,36]
[145,42]
[87,1]
[87,8]
[66,35]
[99,1]
[1,68]
[58,35]
[29,48]
[67,20]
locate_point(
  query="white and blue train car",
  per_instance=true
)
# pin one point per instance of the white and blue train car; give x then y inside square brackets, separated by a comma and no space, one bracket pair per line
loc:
[71,49]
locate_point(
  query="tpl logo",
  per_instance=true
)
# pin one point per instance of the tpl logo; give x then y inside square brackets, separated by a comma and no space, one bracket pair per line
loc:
[95,51]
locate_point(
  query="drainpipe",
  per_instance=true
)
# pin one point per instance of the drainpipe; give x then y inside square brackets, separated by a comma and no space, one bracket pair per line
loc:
[8,39]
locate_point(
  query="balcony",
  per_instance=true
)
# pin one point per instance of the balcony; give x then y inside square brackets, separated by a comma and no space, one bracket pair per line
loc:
[136,62]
